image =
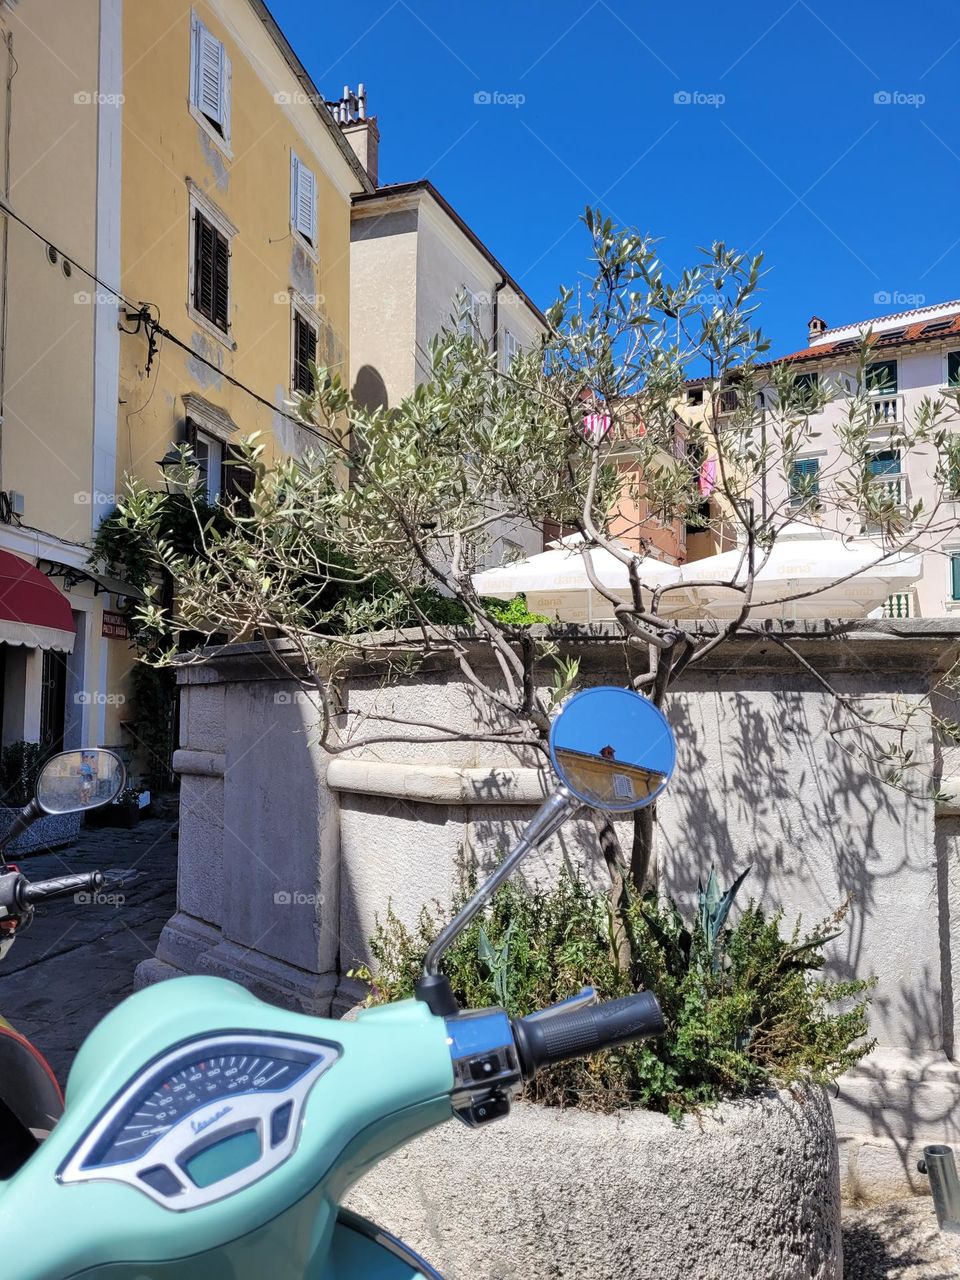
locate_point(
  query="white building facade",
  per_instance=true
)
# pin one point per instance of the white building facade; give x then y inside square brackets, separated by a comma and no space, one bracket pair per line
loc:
[912,355]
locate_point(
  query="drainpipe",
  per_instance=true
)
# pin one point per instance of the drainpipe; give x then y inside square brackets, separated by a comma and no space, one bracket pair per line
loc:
[940,1167]
[496,316]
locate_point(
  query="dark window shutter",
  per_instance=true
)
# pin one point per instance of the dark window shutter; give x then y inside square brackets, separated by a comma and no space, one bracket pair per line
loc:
[304,353]
[190,433]
[236,480]
[953,368]
[221,276]
[211,272]
[955,576]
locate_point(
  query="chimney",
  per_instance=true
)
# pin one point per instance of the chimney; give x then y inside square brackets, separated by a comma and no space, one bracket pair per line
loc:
[359,129]
[816,328]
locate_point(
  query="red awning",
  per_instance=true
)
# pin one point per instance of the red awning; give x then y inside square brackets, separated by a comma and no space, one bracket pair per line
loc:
[33,612]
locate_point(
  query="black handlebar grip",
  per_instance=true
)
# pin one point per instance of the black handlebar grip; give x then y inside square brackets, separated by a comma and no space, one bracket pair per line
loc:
[541,1042]
[60,887]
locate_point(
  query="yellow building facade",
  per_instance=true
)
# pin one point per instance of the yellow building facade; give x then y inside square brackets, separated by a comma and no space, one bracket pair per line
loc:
[59,225]
[235,244]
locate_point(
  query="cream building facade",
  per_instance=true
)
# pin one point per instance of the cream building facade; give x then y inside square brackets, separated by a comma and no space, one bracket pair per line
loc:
[60,126]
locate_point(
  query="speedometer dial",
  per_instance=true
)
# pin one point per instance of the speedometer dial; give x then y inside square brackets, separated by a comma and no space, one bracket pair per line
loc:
[193,1088]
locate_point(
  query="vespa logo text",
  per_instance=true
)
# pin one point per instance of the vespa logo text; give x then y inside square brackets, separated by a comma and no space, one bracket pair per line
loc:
[198,1126]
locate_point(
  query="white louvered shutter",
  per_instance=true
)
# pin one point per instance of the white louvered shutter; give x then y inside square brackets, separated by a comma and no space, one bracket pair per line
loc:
[303,199]
[209,88]
[511,347]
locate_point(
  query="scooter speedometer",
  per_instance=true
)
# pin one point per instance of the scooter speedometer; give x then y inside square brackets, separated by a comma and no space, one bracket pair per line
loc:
[205,1120]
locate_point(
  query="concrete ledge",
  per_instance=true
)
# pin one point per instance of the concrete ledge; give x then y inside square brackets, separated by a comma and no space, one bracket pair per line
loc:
[205,764]
[747,1192]
[438,784]
[950,807]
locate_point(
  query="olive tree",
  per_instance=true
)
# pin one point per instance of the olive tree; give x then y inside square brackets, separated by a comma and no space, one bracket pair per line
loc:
[386,518]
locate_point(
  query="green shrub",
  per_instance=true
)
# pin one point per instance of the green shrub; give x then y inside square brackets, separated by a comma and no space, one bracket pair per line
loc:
[744,1010]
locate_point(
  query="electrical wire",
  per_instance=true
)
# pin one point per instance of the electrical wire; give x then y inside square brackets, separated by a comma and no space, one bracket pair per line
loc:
[142,315]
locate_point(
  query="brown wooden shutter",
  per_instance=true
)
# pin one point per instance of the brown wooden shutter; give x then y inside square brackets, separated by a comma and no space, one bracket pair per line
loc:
[236,482]
[211,272]
[304,353]
[221,278]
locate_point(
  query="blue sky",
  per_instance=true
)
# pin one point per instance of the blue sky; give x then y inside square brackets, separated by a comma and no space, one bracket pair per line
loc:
[823,133]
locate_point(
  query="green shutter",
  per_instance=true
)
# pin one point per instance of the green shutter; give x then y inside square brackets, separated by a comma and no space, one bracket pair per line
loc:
[955,576]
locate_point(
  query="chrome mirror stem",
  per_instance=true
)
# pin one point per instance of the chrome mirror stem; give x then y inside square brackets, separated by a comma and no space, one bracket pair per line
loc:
[551,815]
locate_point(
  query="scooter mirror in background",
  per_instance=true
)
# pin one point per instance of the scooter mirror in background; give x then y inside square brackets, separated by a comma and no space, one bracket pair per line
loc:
[613,748]
[76,780]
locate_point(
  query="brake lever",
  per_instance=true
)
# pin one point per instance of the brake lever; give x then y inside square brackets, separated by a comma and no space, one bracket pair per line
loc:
[585,997]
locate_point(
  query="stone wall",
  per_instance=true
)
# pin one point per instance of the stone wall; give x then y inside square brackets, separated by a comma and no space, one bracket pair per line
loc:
[287,853]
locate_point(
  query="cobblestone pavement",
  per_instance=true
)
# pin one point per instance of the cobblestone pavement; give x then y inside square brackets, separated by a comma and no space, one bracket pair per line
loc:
[76,961]
[898,1242]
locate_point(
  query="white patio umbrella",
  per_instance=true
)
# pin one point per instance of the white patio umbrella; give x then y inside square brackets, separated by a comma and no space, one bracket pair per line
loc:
[555,582]
[850,578]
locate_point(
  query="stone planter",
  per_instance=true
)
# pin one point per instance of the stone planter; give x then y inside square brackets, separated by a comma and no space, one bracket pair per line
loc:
[750,1192]
[52,831]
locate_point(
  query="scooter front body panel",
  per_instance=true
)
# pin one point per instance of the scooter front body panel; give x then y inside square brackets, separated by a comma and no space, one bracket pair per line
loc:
[365,1088]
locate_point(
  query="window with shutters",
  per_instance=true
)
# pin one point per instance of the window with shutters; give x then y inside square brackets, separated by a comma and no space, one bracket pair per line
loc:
[955,575]
[511,347]
[303,200]
[304,352]
[211,272]
[208,453]
[953,368]
[471,313]
[804,482]
[209,81]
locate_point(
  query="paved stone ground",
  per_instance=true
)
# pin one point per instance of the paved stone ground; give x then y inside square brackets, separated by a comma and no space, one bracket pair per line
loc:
[76,961]
[898,1242]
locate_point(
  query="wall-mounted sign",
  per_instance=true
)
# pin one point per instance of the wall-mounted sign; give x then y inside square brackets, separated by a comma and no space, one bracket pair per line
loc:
[115,626]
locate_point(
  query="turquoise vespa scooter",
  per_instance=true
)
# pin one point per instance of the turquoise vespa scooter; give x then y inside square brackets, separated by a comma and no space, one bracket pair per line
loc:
[209,1136]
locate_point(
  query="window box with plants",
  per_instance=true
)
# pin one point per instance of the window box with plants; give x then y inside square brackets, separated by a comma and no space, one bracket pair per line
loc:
[710,1152]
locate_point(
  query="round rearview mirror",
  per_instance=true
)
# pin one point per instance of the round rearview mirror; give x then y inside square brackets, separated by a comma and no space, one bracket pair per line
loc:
[613,748]
[76,780]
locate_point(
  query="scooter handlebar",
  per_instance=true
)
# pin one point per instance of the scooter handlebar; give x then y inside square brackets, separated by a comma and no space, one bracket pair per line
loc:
[542,1042]
[60,887]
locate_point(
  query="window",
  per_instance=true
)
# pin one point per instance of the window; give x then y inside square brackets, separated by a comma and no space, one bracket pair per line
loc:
[209,80]
[882,377]
[221,479]
[208,451]
[806,382]
[886,462]
[211,272]
[471,313]
[937,326]
[303,200]
[511,347]
[953,368]
[955,575]
[304,353]
[695,396]
[804,481]
[729,399]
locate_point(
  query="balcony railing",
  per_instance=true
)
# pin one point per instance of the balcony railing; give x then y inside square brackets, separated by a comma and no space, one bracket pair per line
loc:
[887,408]
[899,605]
[893,488]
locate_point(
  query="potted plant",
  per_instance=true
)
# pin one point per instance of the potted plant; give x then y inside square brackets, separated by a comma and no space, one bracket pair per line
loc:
[128,806]
[716,1141]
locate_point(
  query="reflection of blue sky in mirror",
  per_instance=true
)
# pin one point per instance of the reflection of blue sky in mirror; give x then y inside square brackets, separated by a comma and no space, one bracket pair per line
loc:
[626,722]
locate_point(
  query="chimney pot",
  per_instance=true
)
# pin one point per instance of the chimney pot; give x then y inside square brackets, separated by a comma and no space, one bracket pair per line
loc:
[815,328]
